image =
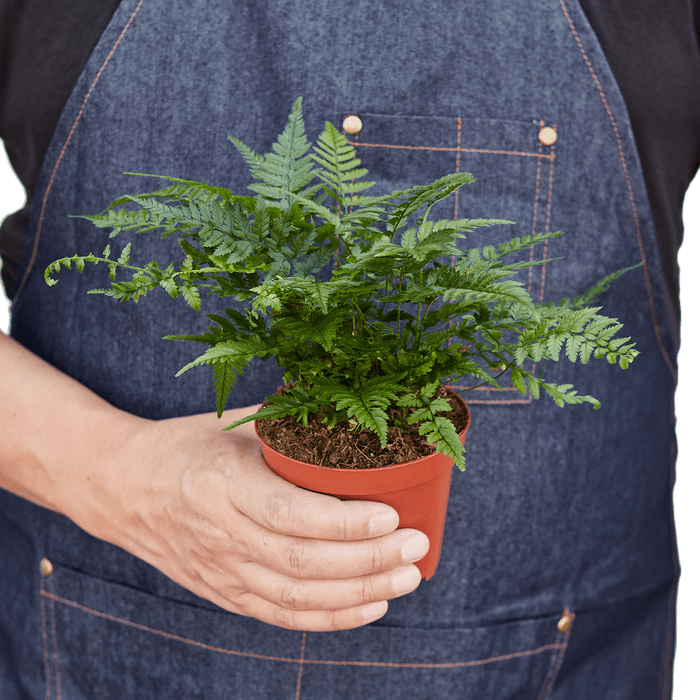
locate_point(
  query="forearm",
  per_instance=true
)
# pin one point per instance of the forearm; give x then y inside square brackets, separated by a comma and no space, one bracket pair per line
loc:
[52,430]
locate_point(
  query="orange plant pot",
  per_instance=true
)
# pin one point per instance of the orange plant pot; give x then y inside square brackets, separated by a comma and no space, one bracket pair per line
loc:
[417,490]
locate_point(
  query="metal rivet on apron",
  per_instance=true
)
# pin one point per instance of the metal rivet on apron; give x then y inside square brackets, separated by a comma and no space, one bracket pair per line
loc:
[548,135]
[565,623]
[352,124]
[46,567]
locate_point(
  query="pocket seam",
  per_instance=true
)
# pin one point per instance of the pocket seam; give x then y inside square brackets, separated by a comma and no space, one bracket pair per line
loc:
[557,647]
[458,149]
[555,666]
[45,638]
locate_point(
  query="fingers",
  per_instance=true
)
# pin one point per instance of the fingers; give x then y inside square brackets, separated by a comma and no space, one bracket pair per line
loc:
[283,608]
[308,595]
[314,605]
[312,620]
[324,559]
[282,507]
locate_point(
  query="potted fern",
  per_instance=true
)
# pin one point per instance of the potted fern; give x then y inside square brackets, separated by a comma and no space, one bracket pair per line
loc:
[369,307]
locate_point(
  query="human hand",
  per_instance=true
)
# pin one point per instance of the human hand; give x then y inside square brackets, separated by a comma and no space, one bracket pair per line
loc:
[202,506]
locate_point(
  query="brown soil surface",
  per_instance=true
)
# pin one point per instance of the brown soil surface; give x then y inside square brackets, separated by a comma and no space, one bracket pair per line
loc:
[345,448]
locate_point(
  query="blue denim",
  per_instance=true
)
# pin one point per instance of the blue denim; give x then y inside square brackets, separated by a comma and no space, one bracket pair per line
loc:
[559,509]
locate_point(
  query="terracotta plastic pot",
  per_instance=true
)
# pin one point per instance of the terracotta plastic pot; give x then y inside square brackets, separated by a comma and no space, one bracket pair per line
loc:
[417,490]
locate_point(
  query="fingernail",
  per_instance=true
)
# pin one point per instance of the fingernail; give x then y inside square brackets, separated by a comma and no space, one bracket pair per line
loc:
[415,548]
[383,523]
[405,580]
[374,611]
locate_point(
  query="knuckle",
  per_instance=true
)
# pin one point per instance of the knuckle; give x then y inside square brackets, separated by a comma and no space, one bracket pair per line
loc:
[368,593]
[284,618]
[242,603]
[353,524]
[336,621]
[278,511]
[293,597]
[377,558]
[298,559]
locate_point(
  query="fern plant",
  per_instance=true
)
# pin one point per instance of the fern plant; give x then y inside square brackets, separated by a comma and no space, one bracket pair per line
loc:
[364,301]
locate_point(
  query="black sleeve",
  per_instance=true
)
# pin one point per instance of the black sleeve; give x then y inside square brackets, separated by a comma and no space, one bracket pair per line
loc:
[44,47]
[653,47]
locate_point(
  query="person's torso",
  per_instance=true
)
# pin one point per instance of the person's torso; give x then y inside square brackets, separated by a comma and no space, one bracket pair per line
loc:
[558,508]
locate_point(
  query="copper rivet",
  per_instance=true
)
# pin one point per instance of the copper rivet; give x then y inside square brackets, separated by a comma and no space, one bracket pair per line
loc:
[565,623]
[352,124]
[548,135]
[46,567]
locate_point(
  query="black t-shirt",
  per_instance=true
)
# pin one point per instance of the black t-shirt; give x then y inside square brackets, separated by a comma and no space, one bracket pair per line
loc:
[653,47]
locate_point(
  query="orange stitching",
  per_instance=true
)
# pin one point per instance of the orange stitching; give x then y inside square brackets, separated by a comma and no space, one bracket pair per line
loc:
[55,642]
[301,665]
[45,642]
[489,388]
[60,157]
[652,306]
[549,190]
[503,402]
[546,225]
[560,661]
[459,153]
[457,664]
[457,149]
[534,215]
[552,663]
[167,635]
[500,390]
[551,677]
[540,156]
[456,213]
[561,654]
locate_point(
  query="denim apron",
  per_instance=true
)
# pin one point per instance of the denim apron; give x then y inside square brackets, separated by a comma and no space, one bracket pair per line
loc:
[558,571]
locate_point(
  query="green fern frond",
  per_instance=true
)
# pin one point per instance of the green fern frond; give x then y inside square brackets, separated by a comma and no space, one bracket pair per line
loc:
[366,403]
[322,331]
[339,168]
[438,430]
[237,353]
[601,286]
[287,168]
[441,432]
[200,189]
[508,291]
[458,226]
[294,402]
[564,393]
[224,378]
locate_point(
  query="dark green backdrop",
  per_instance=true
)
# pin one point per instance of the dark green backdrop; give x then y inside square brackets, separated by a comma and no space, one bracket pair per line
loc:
[688,487]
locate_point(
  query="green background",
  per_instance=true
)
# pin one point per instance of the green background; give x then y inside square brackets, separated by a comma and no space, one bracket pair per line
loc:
[687,488]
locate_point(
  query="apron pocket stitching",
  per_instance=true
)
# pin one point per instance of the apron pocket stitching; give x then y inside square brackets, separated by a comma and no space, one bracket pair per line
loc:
[459,149]
[45,640]
[161,633]
[45,637]
[54,639]
[556,647]
[556,659]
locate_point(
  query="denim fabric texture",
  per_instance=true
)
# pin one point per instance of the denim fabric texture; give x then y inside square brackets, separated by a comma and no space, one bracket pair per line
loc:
[558,508]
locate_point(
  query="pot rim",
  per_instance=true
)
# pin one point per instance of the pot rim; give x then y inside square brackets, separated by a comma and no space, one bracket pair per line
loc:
[351,481]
